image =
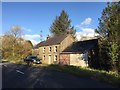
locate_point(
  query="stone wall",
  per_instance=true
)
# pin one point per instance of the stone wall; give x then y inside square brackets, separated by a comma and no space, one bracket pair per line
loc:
[78,60]
[66,42]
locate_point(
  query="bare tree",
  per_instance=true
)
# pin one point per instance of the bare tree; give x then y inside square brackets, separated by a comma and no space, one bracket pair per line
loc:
[11,38]
[14,46]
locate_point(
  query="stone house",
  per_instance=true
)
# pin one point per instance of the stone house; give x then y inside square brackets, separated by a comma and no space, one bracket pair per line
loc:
[50,49]
[64,50]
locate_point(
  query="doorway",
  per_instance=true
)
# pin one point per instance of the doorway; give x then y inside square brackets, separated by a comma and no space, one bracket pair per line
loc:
[49,62]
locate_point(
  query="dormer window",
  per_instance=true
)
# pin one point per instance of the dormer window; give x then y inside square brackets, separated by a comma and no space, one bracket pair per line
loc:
[50,49]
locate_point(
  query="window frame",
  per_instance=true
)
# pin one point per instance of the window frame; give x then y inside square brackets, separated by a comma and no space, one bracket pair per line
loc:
[55,58]
[55,49]
[43,57]
[43,49]
[50,49]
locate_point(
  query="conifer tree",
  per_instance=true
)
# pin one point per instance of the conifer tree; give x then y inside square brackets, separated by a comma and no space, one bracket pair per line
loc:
[61,24]
[109,30]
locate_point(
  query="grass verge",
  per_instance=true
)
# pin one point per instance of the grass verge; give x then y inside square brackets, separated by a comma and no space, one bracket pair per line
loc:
[100,75]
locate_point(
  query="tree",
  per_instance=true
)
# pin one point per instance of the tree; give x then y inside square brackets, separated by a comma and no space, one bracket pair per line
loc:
[108,30]
[11,42]
[15,31]
[27,48]
[61,24]
[7,46]
[73,31]
[14,46]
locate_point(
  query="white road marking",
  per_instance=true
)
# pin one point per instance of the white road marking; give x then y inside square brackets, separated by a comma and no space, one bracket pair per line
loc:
[5,65]
[19,71]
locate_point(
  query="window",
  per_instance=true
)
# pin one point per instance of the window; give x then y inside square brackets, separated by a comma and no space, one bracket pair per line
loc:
[50,49]
[55,49]
[55,58]
[44,50]
[44,57]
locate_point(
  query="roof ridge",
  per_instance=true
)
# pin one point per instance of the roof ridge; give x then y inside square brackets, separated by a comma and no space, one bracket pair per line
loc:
[55,39]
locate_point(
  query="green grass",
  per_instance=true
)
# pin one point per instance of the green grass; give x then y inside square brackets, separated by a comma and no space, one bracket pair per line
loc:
[100,75]
[39,65]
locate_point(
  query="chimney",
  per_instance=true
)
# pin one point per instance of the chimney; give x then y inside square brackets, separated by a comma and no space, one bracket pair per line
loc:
[48,37]
[68,31]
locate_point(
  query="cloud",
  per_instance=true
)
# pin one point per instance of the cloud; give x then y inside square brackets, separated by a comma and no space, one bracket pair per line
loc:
[26,29]
[86,32]
[87,21]
[83,24]
[33,38]
[34,42]
[28,36]
[77,26]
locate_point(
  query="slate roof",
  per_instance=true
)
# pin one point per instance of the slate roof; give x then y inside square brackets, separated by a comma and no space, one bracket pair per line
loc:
[57,39]
[39,45]
[81,46]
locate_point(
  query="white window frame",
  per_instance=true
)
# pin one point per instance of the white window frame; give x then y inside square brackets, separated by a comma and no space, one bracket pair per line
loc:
[55,58]
[55,49]
[43,49]
[50,49]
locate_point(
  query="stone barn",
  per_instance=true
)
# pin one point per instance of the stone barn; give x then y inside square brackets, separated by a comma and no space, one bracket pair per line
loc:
[78,54]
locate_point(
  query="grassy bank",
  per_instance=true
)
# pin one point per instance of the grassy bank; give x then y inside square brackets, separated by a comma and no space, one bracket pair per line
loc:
[103,76]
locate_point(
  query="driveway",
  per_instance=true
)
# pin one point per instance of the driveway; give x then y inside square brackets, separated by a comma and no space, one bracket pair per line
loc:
[23,76]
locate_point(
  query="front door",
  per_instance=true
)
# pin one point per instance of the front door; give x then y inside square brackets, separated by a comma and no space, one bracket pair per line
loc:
[49,62]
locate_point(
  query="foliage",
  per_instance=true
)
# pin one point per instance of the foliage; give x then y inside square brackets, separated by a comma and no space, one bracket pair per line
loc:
[61,24]
[14,46]
[27,48]
[108,30]
[7,46]
[15,31]
[73,31]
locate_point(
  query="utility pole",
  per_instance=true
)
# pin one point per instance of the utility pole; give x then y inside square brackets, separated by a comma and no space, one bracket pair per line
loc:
[41,35]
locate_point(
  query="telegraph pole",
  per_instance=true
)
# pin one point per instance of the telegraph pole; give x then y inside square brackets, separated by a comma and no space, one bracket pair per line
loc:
[41,35]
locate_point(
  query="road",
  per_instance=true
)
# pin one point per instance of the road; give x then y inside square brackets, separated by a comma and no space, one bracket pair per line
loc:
[23,76]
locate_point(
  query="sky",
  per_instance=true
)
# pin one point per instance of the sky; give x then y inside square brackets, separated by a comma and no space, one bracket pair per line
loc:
[33,17]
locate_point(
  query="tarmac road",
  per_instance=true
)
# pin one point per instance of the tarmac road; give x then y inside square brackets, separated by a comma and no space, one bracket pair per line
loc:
[23,76]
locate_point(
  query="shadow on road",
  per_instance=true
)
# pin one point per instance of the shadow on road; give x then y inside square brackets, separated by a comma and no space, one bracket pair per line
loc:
[23,76]
[20,76]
